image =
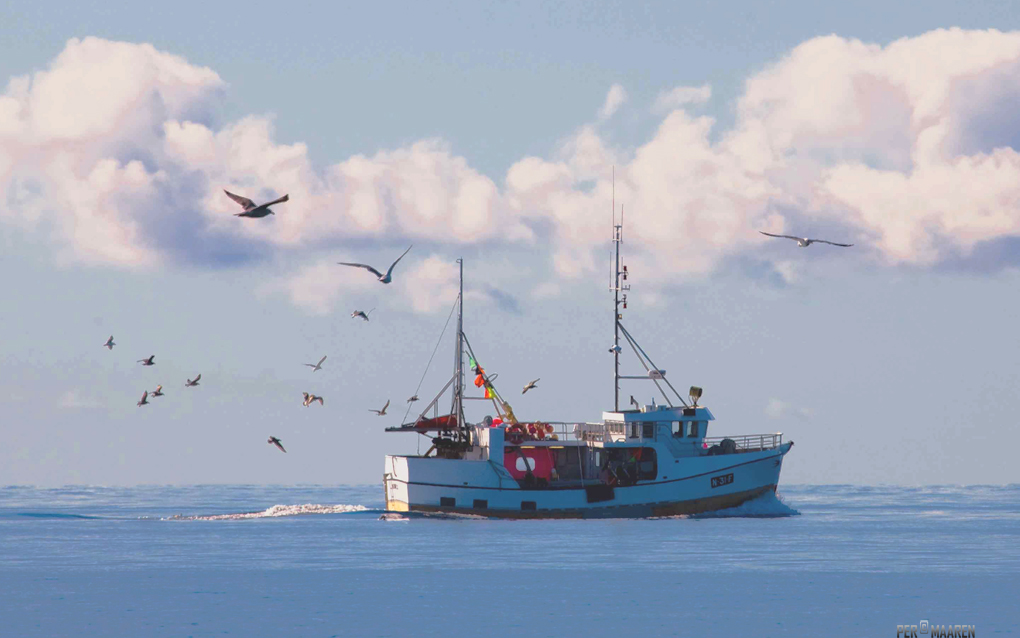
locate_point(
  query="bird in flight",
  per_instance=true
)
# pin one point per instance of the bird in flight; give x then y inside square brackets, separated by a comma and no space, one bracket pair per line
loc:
[531,385]
[250,209]
[158,392]
[804,242]
[147,362]
[109,343]
[192,383]
[311,398]
[316,366]
[383,278]
[275,441]
[361,313]
[383,411]
[145,399]
[413,399]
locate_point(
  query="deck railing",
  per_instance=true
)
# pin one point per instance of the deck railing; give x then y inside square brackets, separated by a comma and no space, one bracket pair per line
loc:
[614,431]
[749,442]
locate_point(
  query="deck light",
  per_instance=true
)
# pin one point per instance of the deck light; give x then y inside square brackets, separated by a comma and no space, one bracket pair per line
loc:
[695,394]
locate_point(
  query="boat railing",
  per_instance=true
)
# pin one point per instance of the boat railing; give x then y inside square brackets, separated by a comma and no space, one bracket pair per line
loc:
[570,431]
[749,442]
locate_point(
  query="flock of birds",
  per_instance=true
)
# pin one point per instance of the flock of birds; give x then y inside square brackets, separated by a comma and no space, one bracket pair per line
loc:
[251,210]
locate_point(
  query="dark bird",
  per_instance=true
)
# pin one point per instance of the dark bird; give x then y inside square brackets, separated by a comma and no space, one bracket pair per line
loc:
[530,385]
[316,366]
[145,399]
[147,362]
[383,278]
[804,242]
[275,441]
[311,398]
[158,392]
[250,209]
[109,343]
[191,384]
[413,399]
[361,313]
[383,411]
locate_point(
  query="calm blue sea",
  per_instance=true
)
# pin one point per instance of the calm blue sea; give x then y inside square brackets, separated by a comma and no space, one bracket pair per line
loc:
[213,560]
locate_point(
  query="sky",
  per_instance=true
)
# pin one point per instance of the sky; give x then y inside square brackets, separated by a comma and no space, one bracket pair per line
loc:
[492,132]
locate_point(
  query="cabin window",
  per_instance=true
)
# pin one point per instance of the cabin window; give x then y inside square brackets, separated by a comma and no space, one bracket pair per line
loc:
[529,506]
[694,429]
[677,427]
[447,501]
[481,504]
[634,430]
[648,430]
[525,463]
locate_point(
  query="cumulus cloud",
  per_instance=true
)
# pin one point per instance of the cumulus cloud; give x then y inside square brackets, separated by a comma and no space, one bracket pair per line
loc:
[777,409]
[682,96]
[74,400]
[615,98]
[906,150]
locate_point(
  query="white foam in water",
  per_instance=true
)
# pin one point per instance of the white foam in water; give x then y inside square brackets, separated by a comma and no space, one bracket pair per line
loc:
[767,505]
[277,511]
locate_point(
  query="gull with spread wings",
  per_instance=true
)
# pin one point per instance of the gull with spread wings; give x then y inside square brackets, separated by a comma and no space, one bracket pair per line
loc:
[191,383]
[275,441]
[310,399]
[250,209]
[804,242]
[316,366]
[383,411]
[387,278]
[361,313]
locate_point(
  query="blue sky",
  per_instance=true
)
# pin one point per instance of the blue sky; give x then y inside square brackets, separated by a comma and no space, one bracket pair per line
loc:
[490,132]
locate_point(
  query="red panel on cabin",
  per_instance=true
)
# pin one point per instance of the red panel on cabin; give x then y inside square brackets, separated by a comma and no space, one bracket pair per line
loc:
[540,459]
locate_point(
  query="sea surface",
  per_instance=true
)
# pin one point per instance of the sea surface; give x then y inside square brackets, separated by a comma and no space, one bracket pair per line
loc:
[214,560]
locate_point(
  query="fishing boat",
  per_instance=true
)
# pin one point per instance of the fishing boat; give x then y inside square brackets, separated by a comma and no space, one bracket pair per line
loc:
[643,461]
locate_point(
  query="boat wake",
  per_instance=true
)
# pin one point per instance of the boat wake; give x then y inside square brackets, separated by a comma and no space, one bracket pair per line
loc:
[276,511]
[768,505]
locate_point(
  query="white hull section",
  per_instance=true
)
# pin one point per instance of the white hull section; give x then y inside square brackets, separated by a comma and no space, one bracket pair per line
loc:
[684,486]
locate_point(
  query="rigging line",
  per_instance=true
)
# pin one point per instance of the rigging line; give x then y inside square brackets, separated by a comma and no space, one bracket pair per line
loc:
[634,341]
[634,345]
[434,351]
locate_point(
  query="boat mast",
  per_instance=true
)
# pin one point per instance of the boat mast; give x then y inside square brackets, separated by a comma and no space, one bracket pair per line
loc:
[616,288]
[458,392]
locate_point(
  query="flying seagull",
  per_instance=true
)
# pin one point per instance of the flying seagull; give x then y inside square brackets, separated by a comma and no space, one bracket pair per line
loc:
[191,384]
[804,242]
[530,385]
[275,441]
[147,362]
[316,366]
[361,313]
[145,399]
[383,411]
[158,392]
[413,399]
[250,209]
[383,278]
[109,343]
[311,398]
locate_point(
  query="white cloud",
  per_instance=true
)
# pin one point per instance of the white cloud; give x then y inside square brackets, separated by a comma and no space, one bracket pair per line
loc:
[614,100]
[903,149]
[777,409]
[73,400]
[681,96]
